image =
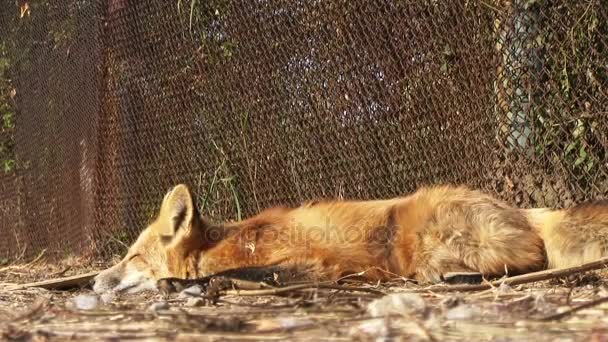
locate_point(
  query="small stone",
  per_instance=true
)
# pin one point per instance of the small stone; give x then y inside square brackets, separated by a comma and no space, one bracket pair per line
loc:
[192,291]
[397,304]
[291,322]
[158,306]
[375,328]
[86,302]
[195,301]
[462,312]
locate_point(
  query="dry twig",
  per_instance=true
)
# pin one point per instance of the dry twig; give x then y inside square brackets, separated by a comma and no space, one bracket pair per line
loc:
[291,288]
[521,279]
[60,283]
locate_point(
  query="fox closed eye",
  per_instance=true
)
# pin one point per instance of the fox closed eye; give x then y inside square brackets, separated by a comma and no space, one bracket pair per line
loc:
[137,257]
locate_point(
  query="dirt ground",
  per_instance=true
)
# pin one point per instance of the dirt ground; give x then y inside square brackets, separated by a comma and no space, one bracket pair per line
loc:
[395,311]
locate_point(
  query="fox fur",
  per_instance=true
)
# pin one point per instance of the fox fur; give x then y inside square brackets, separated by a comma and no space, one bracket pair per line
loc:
[422,236]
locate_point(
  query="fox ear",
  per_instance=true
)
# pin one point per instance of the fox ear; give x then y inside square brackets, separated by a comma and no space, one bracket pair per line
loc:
[176,213]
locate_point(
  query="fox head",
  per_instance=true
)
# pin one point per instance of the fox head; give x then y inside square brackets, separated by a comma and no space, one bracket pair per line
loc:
[166,248]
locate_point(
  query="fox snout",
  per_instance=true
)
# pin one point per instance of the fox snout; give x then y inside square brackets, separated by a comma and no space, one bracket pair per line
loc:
[122,278]
[105,281]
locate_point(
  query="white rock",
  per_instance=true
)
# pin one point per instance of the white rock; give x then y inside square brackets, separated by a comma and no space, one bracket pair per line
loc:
[462,312]
[195,301]
[377,328]
[397,304]
[158,306]
[86,302]
[192,291]
[291,322]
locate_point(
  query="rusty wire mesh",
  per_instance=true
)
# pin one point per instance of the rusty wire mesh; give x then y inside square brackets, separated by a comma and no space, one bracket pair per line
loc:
[273,102]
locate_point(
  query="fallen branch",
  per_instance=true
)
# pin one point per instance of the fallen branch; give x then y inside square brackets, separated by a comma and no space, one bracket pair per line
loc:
[291,288]
[264,306]
[60,283]
[521,279]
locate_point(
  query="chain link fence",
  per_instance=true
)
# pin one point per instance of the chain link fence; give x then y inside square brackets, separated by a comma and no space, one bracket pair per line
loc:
[108,104]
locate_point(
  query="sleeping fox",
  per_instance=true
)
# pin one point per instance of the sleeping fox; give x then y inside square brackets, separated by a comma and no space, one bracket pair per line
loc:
[422,236]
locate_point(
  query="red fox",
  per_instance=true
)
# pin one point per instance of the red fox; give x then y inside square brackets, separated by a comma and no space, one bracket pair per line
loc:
[422,236]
